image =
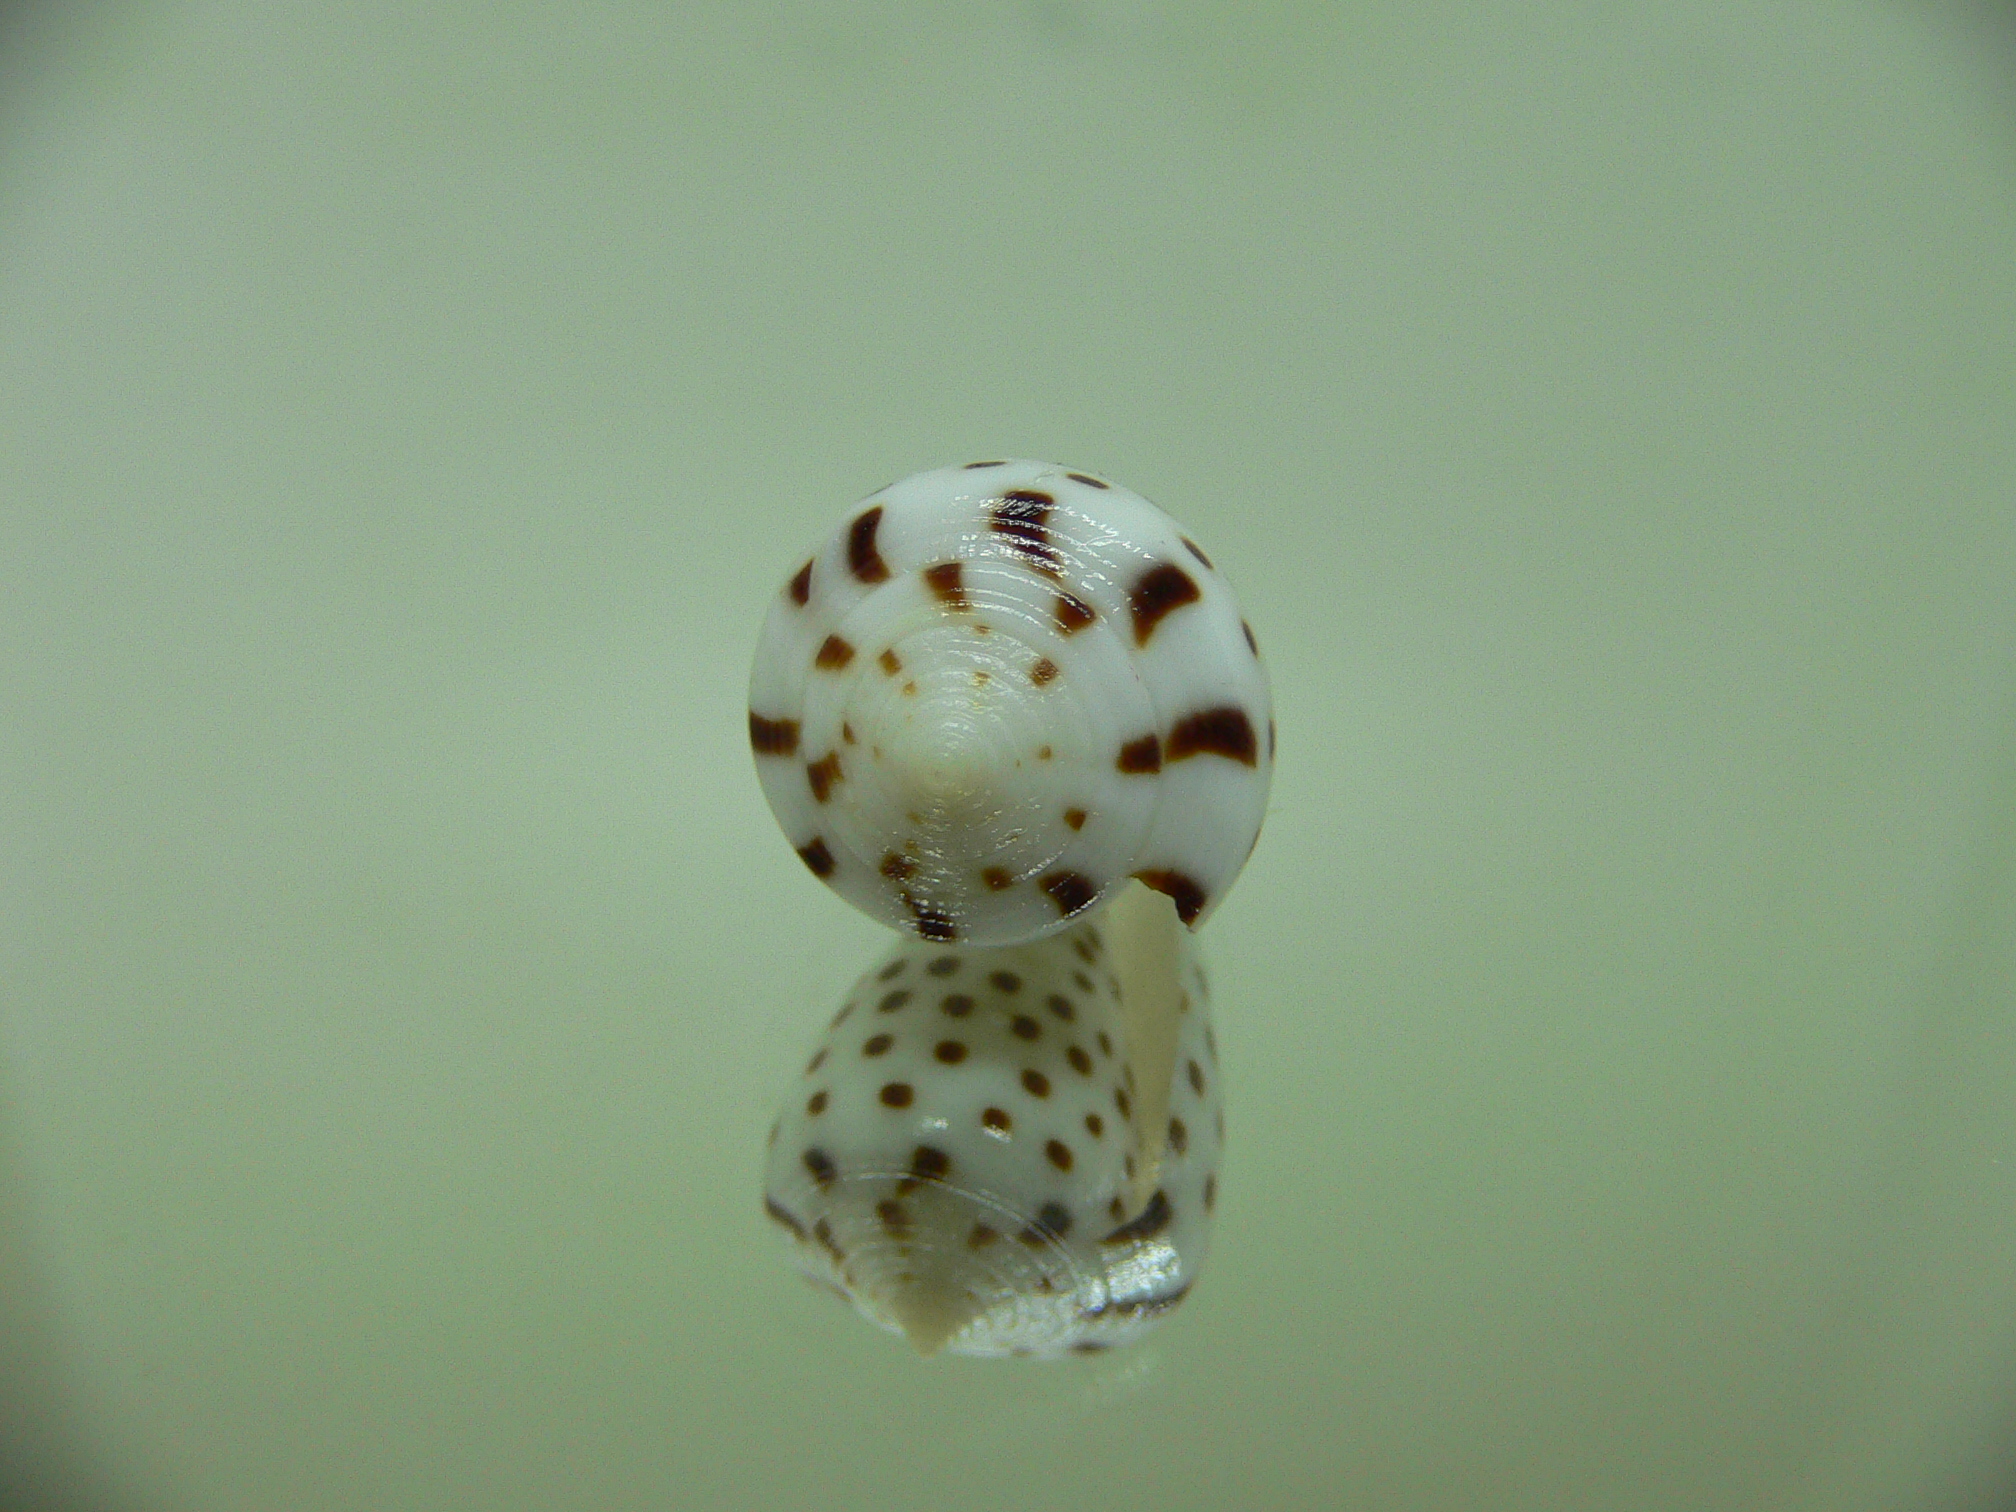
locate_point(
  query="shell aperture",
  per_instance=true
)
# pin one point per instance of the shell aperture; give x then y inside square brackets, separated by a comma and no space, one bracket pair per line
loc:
[996,692]
[971,1155]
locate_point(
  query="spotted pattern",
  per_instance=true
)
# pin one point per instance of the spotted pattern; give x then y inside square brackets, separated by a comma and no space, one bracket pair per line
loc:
[864,559]
[1156,594]
[1015,1083]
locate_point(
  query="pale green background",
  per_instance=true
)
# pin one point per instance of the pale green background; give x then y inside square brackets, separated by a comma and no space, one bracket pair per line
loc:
[1608,415]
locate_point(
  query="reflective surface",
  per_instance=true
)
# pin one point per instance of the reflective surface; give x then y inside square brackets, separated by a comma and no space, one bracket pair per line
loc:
[1605,419]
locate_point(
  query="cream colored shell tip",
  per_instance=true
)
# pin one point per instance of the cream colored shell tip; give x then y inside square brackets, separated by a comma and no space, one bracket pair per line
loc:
[998,691]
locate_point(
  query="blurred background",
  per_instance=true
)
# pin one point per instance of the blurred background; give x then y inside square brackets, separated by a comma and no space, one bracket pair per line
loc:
[1605,412]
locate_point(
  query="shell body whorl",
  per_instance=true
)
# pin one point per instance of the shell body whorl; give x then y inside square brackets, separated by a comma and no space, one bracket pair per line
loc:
[973,1156]
[998,691]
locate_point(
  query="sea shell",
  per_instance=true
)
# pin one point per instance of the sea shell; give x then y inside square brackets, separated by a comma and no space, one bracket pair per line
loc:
[998,691]
[1010,1150]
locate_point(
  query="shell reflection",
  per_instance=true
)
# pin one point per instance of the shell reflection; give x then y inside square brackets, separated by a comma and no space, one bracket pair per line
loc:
[978,1155]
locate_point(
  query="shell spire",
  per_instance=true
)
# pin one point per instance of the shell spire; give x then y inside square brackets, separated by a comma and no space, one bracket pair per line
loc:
[996,692]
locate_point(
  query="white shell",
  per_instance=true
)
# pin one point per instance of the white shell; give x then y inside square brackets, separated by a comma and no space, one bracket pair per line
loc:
[973,1156]
[998,691]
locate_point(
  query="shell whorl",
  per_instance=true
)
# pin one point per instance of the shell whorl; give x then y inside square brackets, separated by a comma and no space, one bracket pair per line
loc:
[998,691]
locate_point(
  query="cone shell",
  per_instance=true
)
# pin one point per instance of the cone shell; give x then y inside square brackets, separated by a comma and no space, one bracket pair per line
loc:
[965,1158]
[998,691]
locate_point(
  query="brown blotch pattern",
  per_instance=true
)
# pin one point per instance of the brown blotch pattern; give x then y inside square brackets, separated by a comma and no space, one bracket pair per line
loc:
[817,857]
[1087,479]
[1075,817]
[1195,550]
[1006,981]
[1179,888]
[996,878]
[1179,1136]
[846,732]
[864,559]
[891,1001]
[1222,731]
[816,1103]
[782,1214]
[820,1165]
[1035,1083]
[1151,1220]
[1071,892]
[929,1163]
[944,966]
[1060,1005]
[892,1213]
[877,1044]
[1120,1102]
[1020,518]
[956,1004]
[981,1237]
[1025,1027]
[1080,1061]
[1141,758]
[1053,1221]
[818,1060]
[772,737]
[834,653]
[951,1052]
[947,582]
[1211,1191]
[1251,644]
[897,1094]
[932,923]
[1095,1125]
[1159,592]
[1196,1078]
[1071,613]
[801,583]
[893,970]
[1044,672]
[896,867]
[997,1119]
[890,662]
[971,465]
[1058,1153]
[822,774]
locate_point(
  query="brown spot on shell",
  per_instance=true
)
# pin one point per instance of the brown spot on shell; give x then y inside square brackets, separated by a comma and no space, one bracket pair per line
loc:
[956,1004]
[951,1052]
[929,1163]
[1179,888]
[932,923]
[896,867]
[1043,753]
[1094,1125]
[1270,738]
[816,1103]
[996,878]
[1087,479]
[823,773]
[971,465]
[772,737]
[1044,672]
[820,1165]
[864,558]
[891,1001]
[1179,1136]
[1058,1154]
[996,1119]
[893,970]
[846,732]
[1195,550]
[1211,1191]
[816,856]
[1020,520]
[1221,731]
[1060,1005]
[1035,1083]
[1142,757]
[1069,890]
[1121,1102]
[877,1044]
[1024,1027]
[818,1060]
[1151,1220]
[1196,1078]
[897,1094]
[1071,613]
[1080,1061]
[834,653]
[944,966]
[781,1214]
[801,584]
[1006,981]
[946,580]
[981,1237]
[1075,817]
[1158,593]
[1251,644]
[890,662]
[893,1214]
